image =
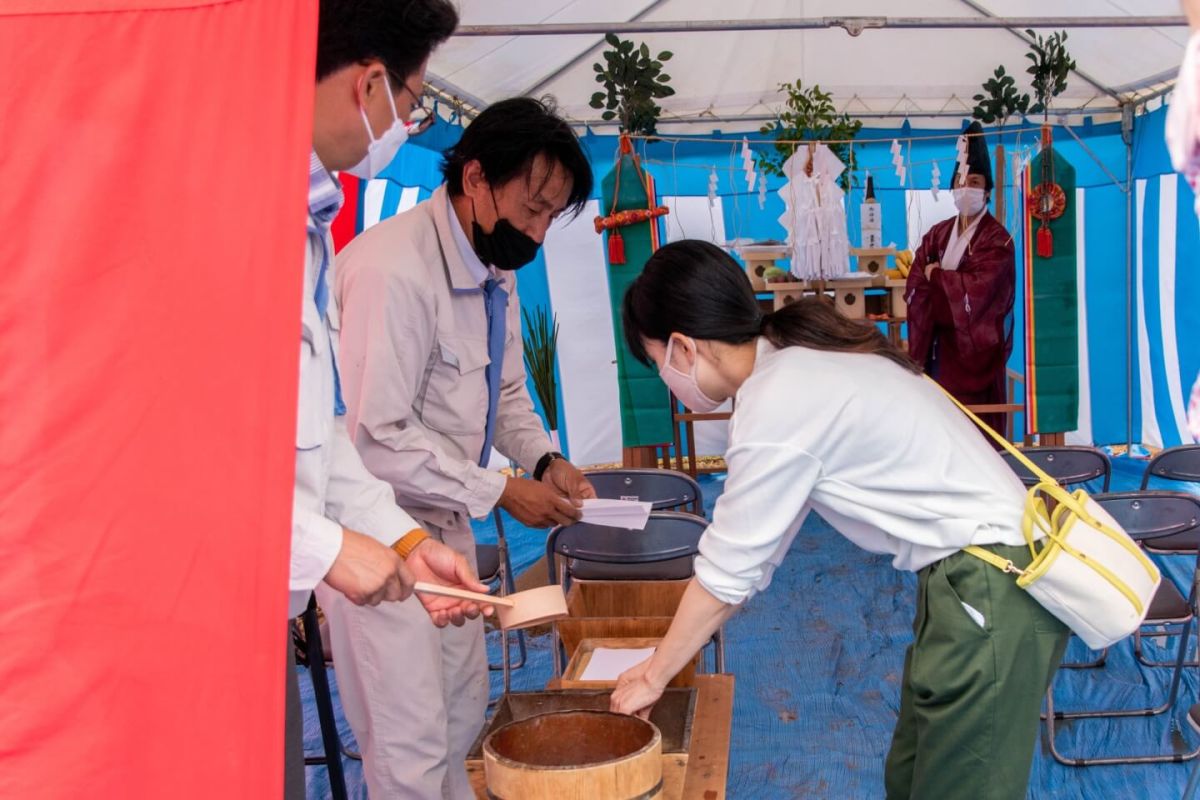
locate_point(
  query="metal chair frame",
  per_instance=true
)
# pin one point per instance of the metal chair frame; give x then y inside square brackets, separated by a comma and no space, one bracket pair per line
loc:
[504,584]
[568,551]
[1048,459]
[1165,543]
[314,653]
[1111,502]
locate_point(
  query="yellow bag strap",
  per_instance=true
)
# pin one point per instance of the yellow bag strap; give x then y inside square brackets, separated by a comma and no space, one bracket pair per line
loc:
[996,561]
[1005,443]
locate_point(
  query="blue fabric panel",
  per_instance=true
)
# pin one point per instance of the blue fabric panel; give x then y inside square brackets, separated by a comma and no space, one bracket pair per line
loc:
[1154,304]
[1187,286]
[1105,255]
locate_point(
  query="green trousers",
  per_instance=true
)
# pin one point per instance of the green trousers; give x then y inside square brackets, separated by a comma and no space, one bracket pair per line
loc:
[973,683]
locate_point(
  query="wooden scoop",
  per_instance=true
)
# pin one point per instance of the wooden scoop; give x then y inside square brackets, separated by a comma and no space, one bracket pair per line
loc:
[519,610]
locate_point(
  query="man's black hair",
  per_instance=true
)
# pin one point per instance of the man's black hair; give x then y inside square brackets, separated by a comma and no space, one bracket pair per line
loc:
[505,139]
[400,33]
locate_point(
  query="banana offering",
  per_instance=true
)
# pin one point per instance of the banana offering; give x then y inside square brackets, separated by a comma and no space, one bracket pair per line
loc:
[904,260]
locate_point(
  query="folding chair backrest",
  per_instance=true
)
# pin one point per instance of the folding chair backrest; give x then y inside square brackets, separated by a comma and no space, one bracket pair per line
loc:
[1165,522]
[1069,465]
[664,489]
[1174,464]
[668,535]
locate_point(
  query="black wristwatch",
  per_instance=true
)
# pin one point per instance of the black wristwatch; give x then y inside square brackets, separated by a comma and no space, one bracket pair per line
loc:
[544,464]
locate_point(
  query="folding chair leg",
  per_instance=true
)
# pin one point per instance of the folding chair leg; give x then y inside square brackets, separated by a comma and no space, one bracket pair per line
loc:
[1193,781]
[1093,664]
[511,588]
[324,699]
[508,586]
[1053,716]
[718,641]
[1061,758]
[1168,704]
[1144,661]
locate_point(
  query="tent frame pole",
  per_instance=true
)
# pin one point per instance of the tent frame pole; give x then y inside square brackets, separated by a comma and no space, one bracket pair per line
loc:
[1127,118]
[852,25]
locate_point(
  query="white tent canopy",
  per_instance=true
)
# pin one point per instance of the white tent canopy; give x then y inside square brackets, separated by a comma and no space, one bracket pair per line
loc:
[914,67]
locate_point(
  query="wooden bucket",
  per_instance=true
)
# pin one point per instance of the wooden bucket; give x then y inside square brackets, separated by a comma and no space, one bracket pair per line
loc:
[574,754]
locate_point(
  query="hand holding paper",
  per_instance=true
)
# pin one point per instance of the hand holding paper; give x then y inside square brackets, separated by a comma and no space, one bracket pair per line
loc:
[631,514]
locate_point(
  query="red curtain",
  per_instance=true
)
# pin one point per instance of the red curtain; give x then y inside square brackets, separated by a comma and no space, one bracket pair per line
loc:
[154,163]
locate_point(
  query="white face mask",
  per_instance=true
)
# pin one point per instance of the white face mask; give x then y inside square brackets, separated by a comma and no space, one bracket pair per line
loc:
[685,386]
[968,200]
[381,151]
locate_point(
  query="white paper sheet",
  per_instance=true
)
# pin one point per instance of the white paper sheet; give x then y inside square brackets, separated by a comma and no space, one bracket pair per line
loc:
[608,663]
[630,514]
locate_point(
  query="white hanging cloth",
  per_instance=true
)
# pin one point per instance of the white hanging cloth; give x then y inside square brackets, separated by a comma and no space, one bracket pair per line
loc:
[815,214]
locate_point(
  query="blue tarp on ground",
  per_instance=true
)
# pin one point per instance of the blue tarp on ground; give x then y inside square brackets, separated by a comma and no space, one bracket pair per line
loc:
[818,659]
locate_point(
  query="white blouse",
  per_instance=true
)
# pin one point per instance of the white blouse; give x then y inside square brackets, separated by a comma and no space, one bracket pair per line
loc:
[880,453]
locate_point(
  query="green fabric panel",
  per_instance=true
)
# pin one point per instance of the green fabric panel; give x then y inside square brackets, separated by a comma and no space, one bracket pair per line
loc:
[645,416]
[1055,316]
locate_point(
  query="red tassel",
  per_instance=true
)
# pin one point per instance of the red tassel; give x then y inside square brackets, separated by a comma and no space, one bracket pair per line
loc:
[1045,242]
[616,247]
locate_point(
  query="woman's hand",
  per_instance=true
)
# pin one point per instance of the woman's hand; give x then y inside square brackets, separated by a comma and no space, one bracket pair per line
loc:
[636,691]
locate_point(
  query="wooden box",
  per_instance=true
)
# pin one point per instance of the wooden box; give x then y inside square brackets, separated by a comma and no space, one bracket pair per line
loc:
[573,631]
[787,293]
[896,288]
[583,655]
[757,258]
[872,261]
[618,609]
[673,715]
[588,598]
[850,296]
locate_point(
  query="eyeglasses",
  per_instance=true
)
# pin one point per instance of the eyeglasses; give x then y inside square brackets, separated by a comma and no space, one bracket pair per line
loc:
[420,117]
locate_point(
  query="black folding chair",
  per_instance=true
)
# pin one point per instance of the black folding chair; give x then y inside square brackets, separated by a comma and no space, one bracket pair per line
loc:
[1174,464]
[670,537]
[311,654]
[1146,517]
[1069,465]
[495,569]
[664,489]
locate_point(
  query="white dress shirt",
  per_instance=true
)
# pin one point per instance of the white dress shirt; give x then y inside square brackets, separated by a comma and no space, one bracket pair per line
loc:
[333,489]
[877,451]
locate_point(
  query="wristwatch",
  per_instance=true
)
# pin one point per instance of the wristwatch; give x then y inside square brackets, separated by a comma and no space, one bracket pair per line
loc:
[544,464]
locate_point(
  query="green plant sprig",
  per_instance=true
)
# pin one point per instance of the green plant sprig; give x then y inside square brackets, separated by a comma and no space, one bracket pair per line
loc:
[632,81]
[541,348]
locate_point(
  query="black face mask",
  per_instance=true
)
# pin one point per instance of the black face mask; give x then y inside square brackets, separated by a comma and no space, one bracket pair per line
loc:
[505,247]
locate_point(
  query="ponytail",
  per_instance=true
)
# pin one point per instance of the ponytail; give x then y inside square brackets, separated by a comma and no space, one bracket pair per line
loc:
[813,322]
[697,289]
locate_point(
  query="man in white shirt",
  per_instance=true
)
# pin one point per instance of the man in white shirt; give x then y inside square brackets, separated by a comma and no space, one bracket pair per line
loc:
[347,531]
[433,374]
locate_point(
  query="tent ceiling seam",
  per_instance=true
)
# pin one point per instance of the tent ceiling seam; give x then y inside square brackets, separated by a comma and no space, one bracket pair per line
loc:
[578,59]
[979,8]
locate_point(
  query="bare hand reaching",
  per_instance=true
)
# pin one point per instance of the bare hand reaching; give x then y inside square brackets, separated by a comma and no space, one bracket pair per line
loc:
[537,504]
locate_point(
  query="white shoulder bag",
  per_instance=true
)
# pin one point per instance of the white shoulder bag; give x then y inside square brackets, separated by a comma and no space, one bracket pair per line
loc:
[1086,571]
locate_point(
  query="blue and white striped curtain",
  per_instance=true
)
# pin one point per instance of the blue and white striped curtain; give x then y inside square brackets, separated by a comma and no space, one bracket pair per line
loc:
[569,278]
